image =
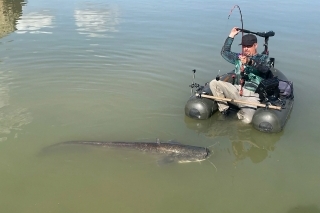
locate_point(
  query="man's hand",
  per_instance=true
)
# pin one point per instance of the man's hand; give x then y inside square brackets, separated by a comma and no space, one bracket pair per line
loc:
[244,59]
[234,32]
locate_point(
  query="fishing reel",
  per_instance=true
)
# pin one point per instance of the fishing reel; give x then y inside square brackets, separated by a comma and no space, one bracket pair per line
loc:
[194,85]
[271,62]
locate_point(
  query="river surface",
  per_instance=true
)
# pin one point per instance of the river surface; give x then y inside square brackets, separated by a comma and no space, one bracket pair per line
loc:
[120,70]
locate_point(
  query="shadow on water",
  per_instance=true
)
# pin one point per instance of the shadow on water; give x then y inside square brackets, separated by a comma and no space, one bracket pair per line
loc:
[305,209]
[246,142]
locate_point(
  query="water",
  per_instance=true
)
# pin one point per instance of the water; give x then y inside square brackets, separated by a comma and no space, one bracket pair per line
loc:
[119,71]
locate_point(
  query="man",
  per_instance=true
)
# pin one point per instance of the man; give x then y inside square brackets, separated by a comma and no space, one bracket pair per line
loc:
[250,69]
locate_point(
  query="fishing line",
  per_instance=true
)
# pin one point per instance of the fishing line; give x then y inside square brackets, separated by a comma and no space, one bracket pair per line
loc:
[213,165]
[212,153]
[214,144]
[237,6]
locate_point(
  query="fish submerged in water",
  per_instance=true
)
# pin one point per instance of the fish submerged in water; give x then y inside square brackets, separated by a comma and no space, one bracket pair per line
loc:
[172,151]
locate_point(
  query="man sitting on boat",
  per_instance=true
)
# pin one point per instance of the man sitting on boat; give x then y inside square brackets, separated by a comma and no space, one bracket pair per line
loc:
[250,69]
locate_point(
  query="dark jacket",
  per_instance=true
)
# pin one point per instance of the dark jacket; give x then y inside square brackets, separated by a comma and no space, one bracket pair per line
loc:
[255,72]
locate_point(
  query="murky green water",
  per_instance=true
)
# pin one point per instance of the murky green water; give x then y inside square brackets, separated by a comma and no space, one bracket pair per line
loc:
[119,71]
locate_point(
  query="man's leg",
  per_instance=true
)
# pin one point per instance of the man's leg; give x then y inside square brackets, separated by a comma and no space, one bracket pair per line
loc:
[224,90]
[246,112]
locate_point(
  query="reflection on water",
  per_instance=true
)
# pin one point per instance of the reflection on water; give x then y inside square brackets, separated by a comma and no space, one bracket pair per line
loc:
[96,20]
[36,22]
[10,11]
[246,142]
[11,117]
[4,96]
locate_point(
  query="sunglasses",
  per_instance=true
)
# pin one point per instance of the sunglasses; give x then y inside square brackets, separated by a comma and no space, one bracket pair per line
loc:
[247,46]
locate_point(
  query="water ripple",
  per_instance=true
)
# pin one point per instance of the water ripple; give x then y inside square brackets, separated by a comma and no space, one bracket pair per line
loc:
[96,21]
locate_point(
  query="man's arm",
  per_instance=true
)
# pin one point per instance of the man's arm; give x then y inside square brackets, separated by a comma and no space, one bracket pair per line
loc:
[226,49]
[226,53]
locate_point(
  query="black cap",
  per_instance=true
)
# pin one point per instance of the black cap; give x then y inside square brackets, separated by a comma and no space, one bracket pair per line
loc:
[248,40]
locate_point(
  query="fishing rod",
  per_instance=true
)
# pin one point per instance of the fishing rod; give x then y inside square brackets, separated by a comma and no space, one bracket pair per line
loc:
[193,84]
[242,79]
[237,6]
